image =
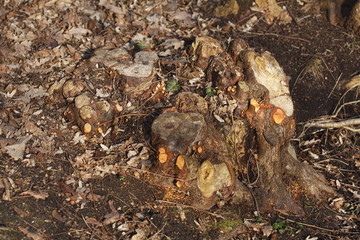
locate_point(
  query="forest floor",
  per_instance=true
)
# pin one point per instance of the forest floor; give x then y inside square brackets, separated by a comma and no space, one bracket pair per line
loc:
[55,183]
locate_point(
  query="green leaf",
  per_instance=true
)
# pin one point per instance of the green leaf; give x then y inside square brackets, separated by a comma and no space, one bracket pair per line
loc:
[140,46]
[210,91]
[172,85]
[278,224]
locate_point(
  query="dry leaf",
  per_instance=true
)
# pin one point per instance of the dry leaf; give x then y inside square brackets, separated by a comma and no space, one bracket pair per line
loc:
[21,212]
[32,234]
[33,93]
[273,11]
[112,217]
[38,195]
[16,151]
[5,183]
[337,203]
[57,216]
[354,82]
[93,221]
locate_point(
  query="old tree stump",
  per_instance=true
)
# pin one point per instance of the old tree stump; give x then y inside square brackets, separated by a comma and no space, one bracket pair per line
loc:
[243,156]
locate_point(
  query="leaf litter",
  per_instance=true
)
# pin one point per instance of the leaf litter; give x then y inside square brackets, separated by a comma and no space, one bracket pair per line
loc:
[48,42]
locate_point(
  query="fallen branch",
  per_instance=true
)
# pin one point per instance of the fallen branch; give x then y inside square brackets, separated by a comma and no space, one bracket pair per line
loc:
[331,122]
[335,124]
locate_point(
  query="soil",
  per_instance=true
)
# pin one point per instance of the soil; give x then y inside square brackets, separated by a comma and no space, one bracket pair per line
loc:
[65,187]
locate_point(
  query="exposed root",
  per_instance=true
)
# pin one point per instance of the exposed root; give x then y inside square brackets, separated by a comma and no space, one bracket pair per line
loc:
[313,182]
[333,122]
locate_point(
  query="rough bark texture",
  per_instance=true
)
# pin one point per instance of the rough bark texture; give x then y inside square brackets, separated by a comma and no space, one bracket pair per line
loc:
[194,157]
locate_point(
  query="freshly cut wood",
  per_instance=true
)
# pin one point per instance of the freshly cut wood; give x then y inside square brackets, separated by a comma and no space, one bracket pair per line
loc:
[93,116]
[136,74]
[213,164]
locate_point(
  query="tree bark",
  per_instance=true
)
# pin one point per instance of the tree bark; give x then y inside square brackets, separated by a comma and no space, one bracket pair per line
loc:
[213,167]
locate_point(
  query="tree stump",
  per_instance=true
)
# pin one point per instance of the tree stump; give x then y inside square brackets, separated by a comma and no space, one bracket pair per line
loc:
[214,163]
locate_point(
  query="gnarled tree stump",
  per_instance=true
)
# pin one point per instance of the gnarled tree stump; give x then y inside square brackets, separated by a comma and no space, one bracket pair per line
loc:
[215,163]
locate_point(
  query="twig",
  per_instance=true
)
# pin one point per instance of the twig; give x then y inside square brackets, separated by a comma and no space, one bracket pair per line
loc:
[195,208]
[349,185]
[297,78]
[343,96]
[343,105]
[336,83]
[159,231]
[331,159]
[90,228]
[320,228]
[334,124]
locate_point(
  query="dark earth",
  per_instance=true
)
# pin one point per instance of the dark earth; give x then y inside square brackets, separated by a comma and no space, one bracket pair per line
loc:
[63,186]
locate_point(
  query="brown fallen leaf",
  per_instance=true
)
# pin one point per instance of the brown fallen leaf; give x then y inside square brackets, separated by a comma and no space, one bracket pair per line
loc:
[337,203]
[57,216]
[5,183]
[21,212]
[6,141]
[112,217]
[38,195]
[93,221]
[32,234]
[17,150]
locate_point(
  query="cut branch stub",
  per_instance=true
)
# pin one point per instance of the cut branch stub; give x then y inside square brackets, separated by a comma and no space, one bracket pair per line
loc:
[203,49]
[275,126]
[136,75]
[223,72]
[178,131]
[91,115]
[207,165]
[213,177]
[266,71]
[200,162]
[174,134]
